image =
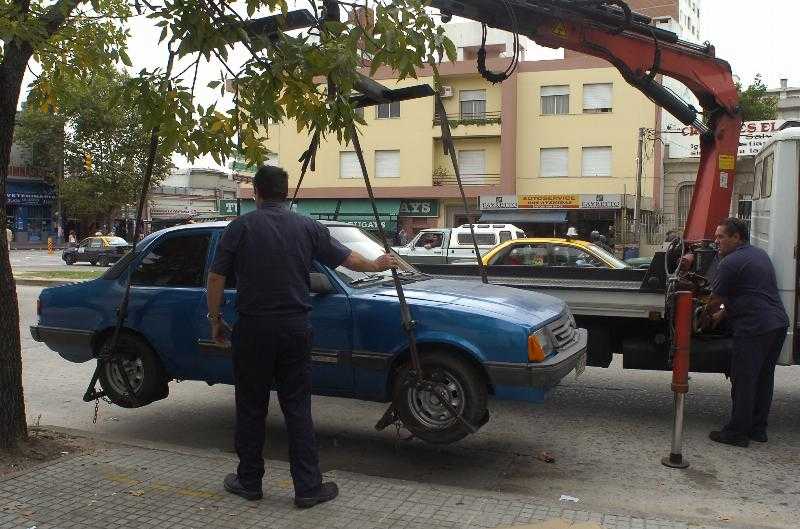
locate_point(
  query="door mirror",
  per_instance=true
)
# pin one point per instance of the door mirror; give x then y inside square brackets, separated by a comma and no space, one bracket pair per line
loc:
[320,284]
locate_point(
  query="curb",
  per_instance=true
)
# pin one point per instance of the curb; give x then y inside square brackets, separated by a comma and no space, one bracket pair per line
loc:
[44,282]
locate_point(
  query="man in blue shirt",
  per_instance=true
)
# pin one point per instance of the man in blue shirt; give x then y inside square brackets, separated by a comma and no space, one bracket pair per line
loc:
[745,292]
[270,251]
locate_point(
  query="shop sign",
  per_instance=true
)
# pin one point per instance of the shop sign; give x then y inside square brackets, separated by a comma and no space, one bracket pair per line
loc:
[601,201]
[494,202]
[752,138]
[227,207]
[366,224]
[549,201]
[419,208]
[30,199]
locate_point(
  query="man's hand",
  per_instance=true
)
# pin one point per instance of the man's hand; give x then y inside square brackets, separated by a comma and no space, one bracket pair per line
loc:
[717,317]
[385,262]
[218,331]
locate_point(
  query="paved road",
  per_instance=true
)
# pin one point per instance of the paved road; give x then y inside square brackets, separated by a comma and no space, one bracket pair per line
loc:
[607,430]
[40,260]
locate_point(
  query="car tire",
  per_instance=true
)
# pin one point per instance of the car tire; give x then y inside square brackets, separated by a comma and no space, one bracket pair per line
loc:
[104,262]
[145,372]
[93,263]
[69,260]
[419,410]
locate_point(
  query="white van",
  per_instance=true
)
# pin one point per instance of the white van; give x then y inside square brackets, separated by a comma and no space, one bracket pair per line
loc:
[774,222]
[452,245]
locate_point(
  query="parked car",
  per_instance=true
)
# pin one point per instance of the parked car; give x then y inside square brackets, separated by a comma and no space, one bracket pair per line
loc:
[97,250]
[552,252]
[477,340]
[454,245]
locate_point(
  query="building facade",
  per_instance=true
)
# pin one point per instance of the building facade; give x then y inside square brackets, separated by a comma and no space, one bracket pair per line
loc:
[788,101]
[192,194]
[556,131]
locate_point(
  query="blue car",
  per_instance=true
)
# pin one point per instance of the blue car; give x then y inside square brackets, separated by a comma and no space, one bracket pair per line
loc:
[475,340]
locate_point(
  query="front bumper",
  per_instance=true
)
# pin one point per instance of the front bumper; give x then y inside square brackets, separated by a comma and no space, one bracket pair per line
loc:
[541,375]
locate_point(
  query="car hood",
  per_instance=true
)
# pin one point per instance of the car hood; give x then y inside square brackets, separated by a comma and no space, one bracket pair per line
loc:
[510,303]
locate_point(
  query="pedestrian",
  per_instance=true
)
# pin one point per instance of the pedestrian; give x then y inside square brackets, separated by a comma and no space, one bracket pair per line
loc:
[403,236]
[270,252]
[73,239]
[745,292]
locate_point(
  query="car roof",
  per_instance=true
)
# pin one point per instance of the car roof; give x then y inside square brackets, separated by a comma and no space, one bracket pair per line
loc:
[548,239]
[224,223]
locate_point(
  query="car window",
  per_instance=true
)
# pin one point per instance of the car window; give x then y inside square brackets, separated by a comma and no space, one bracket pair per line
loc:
[520,235]
[85,242]
[505,236]
[116,241]
[530,254]
[96,243]
[565,255]
[609,257]
[483,239]
[174,262]
[430,240]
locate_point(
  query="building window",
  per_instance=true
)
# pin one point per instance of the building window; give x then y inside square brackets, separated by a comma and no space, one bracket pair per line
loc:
[348,165]
[387,164]
[553,162]
[388,110]
[555,99]
[596,161]
[473,104]
[684,203]
[472,163]
[597,98]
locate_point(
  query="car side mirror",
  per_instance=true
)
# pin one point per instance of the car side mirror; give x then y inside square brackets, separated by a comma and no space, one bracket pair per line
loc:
[320,284]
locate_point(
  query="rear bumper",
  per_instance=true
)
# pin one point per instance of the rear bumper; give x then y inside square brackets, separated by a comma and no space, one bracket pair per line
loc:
[542,375]
[72,344]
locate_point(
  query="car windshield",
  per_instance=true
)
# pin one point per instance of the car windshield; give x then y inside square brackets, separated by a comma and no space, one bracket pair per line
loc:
[116,241]
[366,245]
[609,257]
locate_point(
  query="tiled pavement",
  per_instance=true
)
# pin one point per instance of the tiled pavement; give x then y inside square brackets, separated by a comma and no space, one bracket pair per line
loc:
[144,488]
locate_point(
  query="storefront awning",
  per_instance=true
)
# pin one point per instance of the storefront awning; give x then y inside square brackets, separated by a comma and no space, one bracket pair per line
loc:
[358,212]
[525,216]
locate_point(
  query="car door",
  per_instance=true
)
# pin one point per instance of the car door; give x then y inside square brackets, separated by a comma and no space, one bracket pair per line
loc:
[168,298]
[82,249]
[94,249]
[530,254]
[429,247]
[570,255]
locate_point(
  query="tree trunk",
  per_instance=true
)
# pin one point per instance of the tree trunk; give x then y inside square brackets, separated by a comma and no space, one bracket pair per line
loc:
[13,426]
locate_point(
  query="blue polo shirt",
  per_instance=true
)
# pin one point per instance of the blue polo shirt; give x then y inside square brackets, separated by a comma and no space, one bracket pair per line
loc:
[745,279]
[270,250]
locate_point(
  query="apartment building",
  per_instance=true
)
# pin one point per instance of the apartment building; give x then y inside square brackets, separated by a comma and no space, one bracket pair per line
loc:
[553,146]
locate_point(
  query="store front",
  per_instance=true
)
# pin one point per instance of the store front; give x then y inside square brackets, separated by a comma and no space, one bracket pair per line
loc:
[354,211]
[30,211]
[414,216]
[553,215]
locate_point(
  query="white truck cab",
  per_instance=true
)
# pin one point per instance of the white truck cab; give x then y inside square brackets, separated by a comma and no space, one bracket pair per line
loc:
[452,245]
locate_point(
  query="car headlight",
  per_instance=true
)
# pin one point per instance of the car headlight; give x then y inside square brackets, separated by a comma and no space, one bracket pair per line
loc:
[539,345]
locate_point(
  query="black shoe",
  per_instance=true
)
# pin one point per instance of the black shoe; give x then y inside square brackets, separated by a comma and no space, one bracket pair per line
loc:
[759,437]
[234,486]
[327,492]
[728,439]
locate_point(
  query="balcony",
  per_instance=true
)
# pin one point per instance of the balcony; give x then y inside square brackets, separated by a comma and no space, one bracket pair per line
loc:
[446,179]
[470,125]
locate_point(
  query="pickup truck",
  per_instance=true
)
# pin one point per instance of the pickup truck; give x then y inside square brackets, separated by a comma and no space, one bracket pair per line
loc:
[476,340]
[454,245]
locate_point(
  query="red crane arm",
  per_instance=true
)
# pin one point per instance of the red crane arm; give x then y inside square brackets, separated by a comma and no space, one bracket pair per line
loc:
[641,52]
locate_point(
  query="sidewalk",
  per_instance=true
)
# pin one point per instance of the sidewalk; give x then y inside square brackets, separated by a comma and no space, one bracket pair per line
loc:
[123,486]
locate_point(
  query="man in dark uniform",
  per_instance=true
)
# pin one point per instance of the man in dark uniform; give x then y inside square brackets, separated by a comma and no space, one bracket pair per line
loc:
[745,292]
[270,251]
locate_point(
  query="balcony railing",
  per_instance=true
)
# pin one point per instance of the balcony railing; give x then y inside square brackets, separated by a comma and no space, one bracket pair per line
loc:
[466,179]
[471,118]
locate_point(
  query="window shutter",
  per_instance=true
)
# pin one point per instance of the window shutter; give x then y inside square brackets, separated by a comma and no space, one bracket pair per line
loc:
[472,162]
[554,162]
[387,164]
[597,96]
[596,161]
[559,90]
[348,165]
[472,95]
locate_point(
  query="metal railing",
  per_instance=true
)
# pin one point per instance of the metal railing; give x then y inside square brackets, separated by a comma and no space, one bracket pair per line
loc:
[471,118]
[466,179]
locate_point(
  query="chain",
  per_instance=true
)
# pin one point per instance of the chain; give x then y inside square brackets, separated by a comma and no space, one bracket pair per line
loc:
[96,410]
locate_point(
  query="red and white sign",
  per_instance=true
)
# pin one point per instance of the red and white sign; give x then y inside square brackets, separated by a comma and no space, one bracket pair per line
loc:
[752,138]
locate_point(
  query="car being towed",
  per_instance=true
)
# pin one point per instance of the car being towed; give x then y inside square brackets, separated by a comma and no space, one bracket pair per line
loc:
[475,340]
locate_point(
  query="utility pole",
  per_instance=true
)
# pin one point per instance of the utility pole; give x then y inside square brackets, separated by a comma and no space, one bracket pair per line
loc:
[637,210]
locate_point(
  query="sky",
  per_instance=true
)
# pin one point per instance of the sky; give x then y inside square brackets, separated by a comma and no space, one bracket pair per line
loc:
[754,36]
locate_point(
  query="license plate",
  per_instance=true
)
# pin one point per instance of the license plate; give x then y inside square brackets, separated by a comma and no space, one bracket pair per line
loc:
[581,367]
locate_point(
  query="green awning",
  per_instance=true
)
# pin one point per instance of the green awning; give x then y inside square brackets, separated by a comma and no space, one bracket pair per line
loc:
[354,211]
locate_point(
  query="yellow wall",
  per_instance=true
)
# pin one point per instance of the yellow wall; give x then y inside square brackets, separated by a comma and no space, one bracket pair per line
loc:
[472,82]
[618,129]
[490,145]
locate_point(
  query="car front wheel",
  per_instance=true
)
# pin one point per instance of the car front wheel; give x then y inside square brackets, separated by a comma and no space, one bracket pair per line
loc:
[422,410]
[135,360]
[103,261]
[69,260]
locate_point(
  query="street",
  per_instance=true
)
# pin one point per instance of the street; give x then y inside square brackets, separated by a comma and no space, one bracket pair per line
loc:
[24,260]
[607,431]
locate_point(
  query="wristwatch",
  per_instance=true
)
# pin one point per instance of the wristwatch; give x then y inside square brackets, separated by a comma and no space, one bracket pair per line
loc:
[213,317]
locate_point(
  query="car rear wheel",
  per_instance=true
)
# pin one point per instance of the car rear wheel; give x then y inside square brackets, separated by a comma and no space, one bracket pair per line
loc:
[93,263]
[422,410]
[104,261]
[69,260]
[137,361]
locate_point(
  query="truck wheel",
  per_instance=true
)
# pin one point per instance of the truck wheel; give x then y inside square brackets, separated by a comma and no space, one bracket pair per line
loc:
[140,364]
[422,411]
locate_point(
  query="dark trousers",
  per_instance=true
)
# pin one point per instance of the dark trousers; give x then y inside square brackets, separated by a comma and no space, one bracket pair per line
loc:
[752,380]
[265,351]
